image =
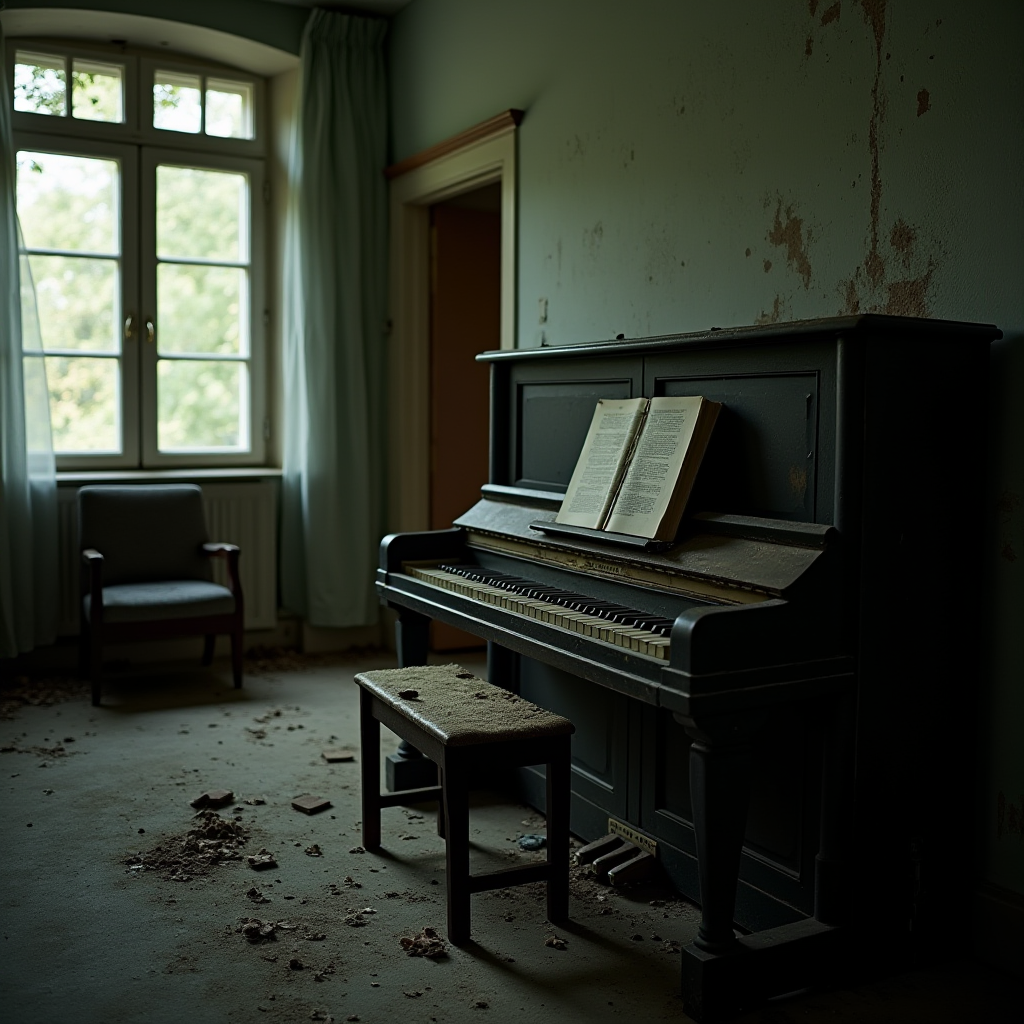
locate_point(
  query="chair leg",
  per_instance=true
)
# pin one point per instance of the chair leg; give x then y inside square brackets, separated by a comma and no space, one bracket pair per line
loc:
[236,657]
[209,643]
[558,782]
[456,813]
[95,664]
[369,771]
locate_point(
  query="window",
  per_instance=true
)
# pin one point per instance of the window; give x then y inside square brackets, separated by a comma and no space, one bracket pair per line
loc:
[141,198]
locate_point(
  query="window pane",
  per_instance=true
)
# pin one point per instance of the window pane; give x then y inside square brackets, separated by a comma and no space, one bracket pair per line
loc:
[84,403]
[96,91]
[78,302]
[229,109]
[201,214]
[202,405]
[202,309]
[40,83]
[69,202]
[176,105]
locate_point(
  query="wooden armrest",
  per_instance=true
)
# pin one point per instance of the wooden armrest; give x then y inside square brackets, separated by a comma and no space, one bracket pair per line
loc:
[219,548]
[90,555]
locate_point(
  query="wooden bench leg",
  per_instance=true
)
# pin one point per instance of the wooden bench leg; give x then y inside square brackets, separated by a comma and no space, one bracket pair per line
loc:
[456,815]
[441,830]
[558,781]
[369,756]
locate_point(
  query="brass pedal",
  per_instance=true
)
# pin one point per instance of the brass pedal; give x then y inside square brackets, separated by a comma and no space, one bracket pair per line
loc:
[624,855]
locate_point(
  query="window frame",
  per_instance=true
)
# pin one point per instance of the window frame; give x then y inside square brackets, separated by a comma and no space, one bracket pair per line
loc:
[66,134]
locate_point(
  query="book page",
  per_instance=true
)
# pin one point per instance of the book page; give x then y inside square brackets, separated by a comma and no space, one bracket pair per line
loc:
[602,461]
[647,488]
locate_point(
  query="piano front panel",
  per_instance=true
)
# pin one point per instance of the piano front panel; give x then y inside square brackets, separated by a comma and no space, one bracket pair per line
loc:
[600,746]
[549,412]
[782,821]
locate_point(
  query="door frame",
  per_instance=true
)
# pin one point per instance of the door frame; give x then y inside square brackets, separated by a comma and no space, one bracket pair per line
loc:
[479,156]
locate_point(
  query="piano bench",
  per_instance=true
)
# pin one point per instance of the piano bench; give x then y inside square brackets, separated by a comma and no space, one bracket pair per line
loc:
[465,725]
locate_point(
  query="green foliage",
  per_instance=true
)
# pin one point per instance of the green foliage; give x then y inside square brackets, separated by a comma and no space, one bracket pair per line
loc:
[198,308]
[40,89]
[83,403]
[201,214]
[199,404]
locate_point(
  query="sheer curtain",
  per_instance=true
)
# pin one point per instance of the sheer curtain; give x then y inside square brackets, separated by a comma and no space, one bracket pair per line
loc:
[334,344]
[28,487]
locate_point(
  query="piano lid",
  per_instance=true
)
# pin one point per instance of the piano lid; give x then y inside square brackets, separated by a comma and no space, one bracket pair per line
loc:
[734,559]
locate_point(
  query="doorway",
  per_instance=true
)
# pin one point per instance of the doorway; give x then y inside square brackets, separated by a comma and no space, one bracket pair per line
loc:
[465,318]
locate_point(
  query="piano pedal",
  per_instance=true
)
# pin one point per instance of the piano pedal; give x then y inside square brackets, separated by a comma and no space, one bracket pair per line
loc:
[624,855]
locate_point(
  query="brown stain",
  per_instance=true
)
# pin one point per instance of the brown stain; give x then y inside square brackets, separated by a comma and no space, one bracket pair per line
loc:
[852,304]
[791,235]
[832,14]
[813,5]
[874,12]
[798,481]
[774,316]
[748,252]
[923,102]
[809,46]
[909,297]
[902,238]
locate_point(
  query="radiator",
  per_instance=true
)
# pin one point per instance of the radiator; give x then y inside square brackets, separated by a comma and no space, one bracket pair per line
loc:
[237,513]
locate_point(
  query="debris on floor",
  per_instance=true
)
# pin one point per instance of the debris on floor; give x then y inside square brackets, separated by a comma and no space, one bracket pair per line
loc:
[409,694]
[337,755]
[427,943]
[209,842]
[310,804]
[555,942]
[532,842]
[261,860]
[256,895]
[313,851]
[257,931]
[213,798]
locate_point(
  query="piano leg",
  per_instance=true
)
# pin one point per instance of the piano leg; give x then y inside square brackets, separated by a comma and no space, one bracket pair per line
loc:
[719,794]
[407,768]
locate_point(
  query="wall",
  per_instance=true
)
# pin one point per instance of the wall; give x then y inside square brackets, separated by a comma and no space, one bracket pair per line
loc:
[684,165]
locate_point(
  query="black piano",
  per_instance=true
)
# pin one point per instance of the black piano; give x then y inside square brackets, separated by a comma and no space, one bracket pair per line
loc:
[782,701]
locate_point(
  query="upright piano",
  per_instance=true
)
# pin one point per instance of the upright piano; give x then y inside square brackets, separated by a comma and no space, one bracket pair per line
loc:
[782,701]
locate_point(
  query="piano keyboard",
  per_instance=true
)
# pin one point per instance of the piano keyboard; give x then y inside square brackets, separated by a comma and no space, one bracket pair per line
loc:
[603,620]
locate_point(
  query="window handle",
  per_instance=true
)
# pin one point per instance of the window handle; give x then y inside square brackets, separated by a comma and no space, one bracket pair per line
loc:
[150,331]
[129,326]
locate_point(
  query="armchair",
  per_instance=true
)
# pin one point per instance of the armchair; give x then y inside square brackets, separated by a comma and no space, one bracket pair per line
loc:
[146,573]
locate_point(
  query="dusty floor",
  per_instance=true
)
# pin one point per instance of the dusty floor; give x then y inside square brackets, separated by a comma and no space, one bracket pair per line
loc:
[95,931]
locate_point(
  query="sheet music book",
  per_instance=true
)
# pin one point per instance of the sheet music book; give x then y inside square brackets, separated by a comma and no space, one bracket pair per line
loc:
[638,465]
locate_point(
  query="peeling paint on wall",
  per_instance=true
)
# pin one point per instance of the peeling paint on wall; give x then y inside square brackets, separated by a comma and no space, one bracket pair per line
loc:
[778,309]
[791,235]
[832,14]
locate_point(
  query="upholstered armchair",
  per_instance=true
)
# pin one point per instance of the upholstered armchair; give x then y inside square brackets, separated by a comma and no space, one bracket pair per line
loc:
[146,573]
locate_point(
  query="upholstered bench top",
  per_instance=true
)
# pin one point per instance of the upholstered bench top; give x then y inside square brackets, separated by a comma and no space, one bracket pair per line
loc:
[459,709]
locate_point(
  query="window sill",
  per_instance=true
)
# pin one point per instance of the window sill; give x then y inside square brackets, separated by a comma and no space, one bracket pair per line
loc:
[156,476]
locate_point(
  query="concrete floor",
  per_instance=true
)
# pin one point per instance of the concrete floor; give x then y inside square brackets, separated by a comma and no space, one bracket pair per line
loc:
[87,938]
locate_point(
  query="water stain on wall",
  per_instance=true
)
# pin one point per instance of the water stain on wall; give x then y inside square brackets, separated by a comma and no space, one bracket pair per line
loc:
[831,14]
[790,235]
[871,287]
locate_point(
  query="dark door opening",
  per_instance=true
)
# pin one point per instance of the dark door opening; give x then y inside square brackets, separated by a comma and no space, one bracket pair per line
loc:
[465,318]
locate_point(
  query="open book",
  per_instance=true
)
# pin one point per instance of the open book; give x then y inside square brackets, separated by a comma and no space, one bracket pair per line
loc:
[638,465]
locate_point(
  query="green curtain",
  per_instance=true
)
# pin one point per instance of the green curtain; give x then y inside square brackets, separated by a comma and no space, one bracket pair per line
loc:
[333,499]
[28,487]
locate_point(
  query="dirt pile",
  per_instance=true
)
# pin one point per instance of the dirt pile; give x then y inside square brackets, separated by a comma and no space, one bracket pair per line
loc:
[210,841]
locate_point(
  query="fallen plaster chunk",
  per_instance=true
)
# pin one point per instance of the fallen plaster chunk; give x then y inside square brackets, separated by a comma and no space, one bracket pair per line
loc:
[213,798]
[427,943]
[336,755]
[262,860]
[310,804]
